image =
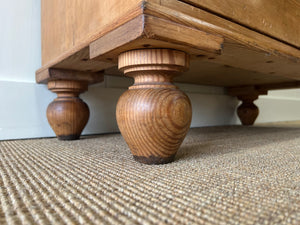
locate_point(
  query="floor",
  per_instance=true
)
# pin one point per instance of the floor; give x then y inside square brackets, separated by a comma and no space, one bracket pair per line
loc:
[221,175]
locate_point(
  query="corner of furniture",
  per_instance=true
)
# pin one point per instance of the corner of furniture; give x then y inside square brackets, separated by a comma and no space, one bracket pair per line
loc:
[154,41]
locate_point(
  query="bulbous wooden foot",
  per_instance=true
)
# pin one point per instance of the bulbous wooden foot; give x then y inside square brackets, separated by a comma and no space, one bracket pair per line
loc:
[153,116]
[248,111]
[67,114]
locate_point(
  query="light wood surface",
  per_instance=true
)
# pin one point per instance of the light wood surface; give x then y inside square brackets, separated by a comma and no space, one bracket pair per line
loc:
[150,32]
[67,114]
[67,74]
[247,57]
[249,47]
[191,16]
[153,116]
[243,48]
[276,18]
[68,23]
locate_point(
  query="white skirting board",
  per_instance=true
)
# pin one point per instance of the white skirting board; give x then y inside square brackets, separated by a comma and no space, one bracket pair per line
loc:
[23,108]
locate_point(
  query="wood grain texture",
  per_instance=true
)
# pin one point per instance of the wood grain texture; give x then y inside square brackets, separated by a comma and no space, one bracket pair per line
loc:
[247,111]
[205,72]
[67,114]
[79,61]
[68,24]
[150,32]
[277,18]
[153,116]
[248,57]
[243,48]
[63,74]
[194,17]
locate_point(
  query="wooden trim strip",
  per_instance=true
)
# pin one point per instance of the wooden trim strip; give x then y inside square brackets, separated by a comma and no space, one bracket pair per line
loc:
[191,16]
[153,28]
[274,18]
[61,74]
[261,89]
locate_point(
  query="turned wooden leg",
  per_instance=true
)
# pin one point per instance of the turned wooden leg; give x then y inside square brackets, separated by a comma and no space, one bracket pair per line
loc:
[67,114]
[248,111]
[153,116]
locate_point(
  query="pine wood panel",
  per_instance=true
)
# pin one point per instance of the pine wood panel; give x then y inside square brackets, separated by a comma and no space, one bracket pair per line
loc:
[69,23]
[67,74]
[193,17]
[277,18]
[144,32]
[205,72]
[247,57]
[243,48]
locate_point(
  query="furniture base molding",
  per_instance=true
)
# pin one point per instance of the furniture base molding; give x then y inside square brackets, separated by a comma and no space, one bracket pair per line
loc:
[153,116]
[44,75]
[68,114]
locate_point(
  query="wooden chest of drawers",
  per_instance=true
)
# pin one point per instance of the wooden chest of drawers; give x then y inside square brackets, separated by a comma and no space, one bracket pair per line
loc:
[249,47]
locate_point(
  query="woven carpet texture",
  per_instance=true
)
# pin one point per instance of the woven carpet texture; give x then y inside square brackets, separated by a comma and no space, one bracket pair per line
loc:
[221,175]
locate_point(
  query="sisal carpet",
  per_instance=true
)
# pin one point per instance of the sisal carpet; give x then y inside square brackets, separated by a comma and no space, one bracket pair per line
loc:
[222,175]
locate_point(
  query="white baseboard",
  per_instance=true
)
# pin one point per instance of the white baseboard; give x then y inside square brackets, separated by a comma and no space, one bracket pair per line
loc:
[23,108]
[277,108]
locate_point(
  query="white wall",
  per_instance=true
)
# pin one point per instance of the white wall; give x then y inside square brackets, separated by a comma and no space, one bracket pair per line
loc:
[23,103]
[20,40]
